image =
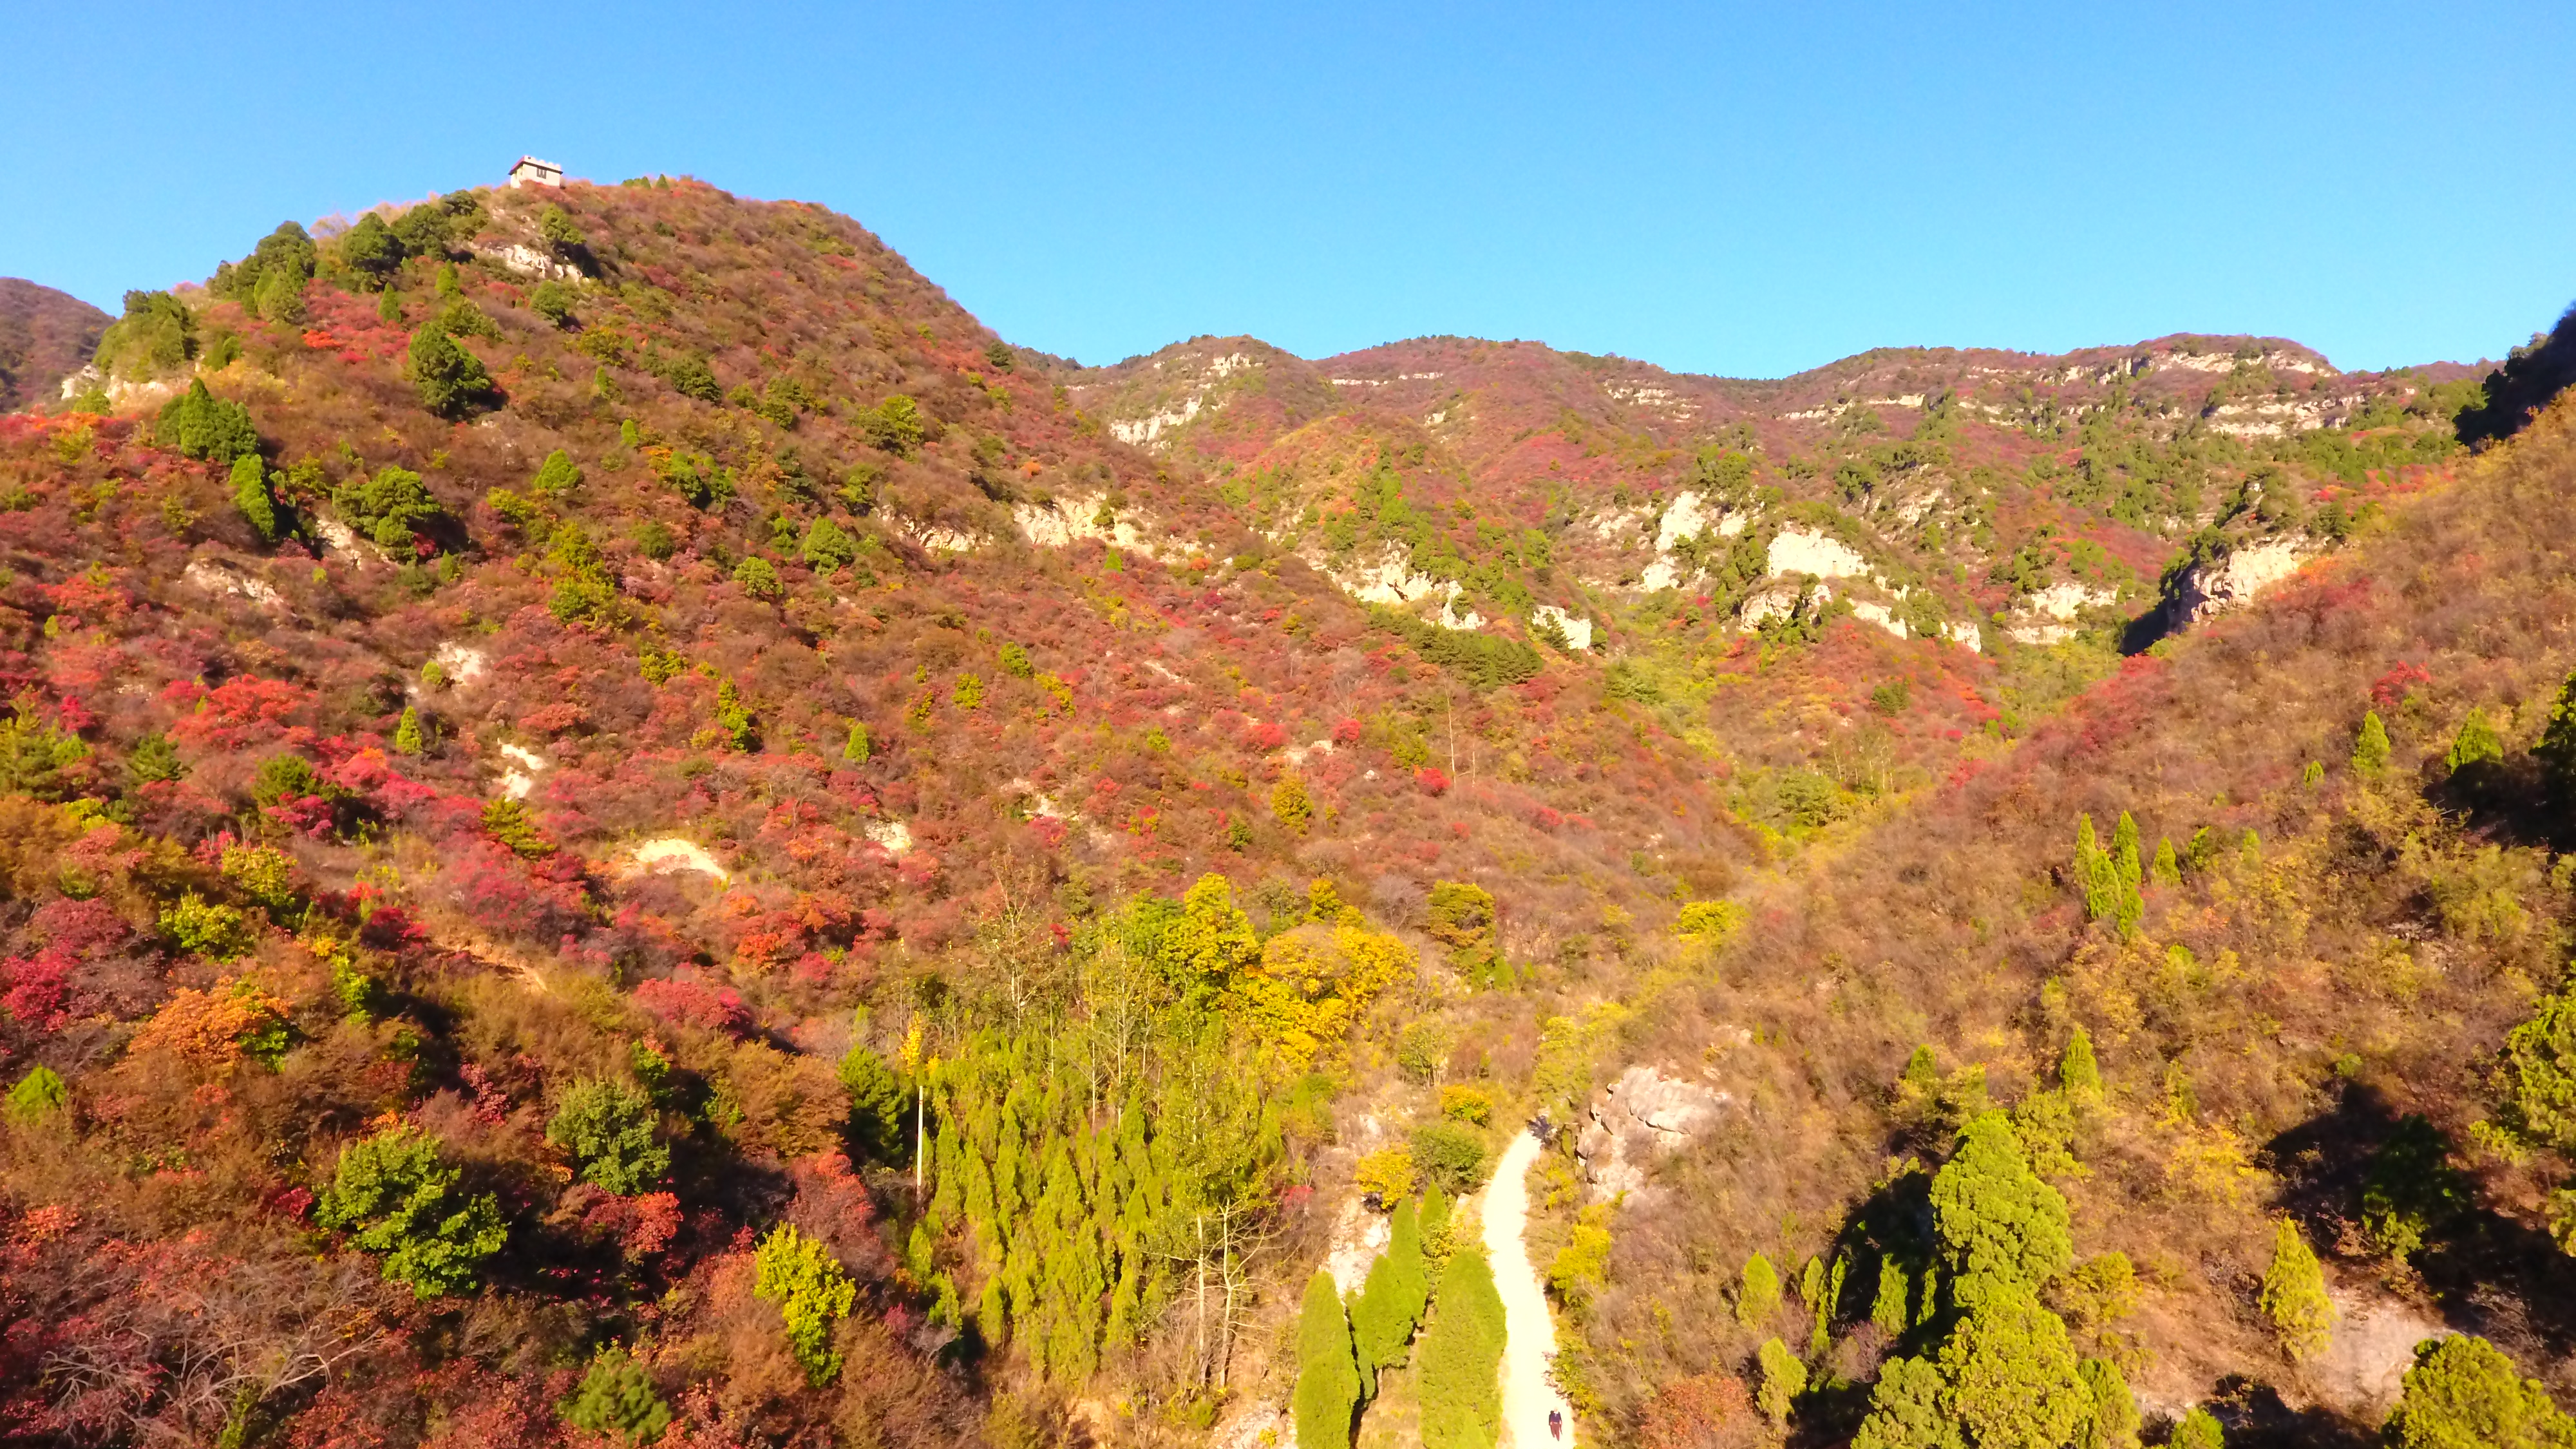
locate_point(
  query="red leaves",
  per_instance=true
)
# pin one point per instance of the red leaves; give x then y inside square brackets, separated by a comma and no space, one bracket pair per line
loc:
[1267,736]
[238,712]
[643,1225]
[80,927]
[491,1104]
[2390,690]
[37,991]
[555,719]
[1433,780]
[1346,732]
[695,1003]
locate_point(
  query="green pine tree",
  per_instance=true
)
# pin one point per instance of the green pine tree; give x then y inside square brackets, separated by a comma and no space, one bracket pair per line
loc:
[2124,850]
[1328,1375]
[2371,746]
[397,1199]
[250,495]
[879,1105]
[610,1129]
[2463,1393]
[2111,1421]
[2476,744]
[2197,1431]
[2294,1294]
[1888,1306]
[1391,1301]
[2012,1375]
[1757,1295]
[450,380]
[856,749]
[2557,747]
[2000,1227]
[1461,1357]
[407,733]
[2167,871]
[616,1398]
[2096,872]
[557,476]
[1784,1378]
[2077,1074]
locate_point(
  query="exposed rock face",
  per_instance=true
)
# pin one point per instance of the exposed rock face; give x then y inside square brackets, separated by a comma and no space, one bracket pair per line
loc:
[1799,551]
[1637,1118]
[2214,588]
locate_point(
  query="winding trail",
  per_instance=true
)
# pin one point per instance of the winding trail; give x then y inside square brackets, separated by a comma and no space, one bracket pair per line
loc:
[1531,1336]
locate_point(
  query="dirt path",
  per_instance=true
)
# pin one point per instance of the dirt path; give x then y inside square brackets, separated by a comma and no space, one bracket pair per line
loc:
[1527,1395]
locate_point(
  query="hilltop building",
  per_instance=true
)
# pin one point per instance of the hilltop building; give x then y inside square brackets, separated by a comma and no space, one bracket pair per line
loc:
[532,172]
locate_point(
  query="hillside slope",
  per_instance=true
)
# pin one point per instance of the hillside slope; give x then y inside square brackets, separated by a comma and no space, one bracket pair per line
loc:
[45,336]
[618,815]
[2307,1018]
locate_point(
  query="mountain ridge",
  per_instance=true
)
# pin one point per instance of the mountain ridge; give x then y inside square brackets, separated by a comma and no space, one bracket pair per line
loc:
[886,893]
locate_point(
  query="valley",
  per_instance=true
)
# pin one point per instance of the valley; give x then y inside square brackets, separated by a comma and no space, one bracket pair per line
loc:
[618,824]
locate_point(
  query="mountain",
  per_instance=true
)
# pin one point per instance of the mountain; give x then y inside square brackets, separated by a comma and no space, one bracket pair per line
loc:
[45,336]
[619,817]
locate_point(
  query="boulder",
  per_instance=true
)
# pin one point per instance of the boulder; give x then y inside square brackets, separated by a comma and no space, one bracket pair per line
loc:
[1637,1118]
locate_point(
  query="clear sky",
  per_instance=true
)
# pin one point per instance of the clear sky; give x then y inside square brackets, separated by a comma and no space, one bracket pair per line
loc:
[1748,189]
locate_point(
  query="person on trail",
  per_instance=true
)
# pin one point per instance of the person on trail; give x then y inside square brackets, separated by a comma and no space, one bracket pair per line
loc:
[1556,1423]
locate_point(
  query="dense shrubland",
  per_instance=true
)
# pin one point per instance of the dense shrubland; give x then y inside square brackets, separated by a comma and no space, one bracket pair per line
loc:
[569,868]
[2306,1002]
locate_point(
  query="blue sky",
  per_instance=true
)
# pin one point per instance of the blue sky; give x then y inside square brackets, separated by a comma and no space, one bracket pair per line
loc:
[1746,190]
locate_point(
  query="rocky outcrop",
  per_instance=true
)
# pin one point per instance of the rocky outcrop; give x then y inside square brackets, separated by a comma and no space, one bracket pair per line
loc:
[1639,1117]
[2230,582]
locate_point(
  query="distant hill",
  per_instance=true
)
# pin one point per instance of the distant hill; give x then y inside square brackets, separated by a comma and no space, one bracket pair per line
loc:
[44,335]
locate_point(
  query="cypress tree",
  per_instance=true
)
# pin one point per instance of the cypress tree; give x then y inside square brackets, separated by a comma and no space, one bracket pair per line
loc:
[2370,746]
[2476,744]
[1887,1309]
[1462,1356]
[2167,870]
[250,495]
[2077,1074]
[1758,1296]
[407,736]
[2095,872]
[1826,1304]
[451,380]
[2113,1419]
[2012,1375]
[1391,1302]
[1783,1380]
[2124,849]
[1907,1409]
[855,748]
[1328,1377]
[1435,1226]
[2294,1294]
[2000,1226]
[1071,1279]
[281,297]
